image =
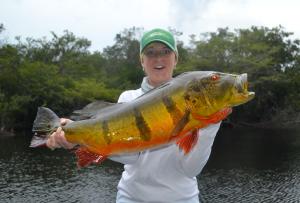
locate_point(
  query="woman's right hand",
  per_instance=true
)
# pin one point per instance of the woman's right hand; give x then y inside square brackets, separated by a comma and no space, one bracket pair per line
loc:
[58,139]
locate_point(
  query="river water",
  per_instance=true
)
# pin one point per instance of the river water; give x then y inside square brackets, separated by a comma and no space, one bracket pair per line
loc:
[246,165]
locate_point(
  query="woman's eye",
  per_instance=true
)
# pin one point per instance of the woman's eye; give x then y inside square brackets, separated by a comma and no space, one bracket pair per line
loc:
[150,52]
[166,52]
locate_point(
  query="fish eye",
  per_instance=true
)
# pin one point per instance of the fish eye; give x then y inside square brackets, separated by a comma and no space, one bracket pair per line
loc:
[215,77]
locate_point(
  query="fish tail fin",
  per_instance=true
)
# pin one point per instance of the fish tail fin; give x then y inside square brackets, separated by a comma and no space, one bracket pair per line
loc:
[45,123]
[85,157]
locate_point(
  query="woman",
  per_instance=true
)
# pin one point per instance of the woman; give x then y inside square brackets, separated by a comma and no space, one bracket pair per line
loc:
[166,174]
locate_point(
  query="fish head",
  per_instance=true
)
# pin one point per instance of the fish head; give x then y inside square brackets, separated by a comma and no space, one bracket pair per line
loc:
[209,92]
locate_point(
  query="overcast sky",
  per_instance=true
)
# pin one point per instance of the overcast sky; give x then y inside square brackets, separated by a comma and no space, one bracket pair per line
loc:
[100,20]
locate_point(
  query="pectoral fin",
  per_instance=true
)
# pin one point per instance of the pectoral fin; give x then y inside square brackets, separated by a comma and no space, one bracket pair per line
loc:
[214,118]
[187,142]
[86,157]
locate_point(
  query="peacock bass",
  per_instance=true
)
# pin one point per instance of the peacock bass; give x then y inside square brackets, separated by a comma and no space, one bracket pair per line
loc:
[170,113]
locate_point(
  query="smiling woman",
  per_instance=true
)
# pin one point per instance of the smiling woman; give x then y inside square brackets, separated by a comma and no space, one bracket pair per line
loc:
[158,62]
[158,56]
[165,174]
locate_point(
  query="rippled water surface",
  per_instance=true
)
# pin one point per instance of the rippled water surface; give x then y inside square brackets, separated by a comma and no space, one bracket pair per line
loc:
[246,165]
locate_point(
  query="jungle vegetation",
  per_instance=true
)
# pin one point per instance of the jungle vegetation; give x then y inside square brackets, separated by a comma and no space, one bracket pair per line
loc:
[63,74]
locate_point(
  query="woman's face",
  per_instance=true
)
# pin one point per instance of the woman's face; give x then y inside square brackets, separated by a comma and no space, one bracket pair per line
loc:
[158,62]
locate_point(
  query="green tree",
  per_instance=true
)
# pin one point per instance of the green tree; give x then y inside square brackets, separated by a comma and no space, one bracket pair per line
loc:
[63,74]
[214,51]
[1,30]
[123,63]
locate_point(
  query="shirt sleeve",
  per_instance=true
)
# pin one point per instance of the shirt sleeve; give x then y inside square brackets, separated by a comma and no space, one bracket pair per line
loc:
[193,162]
[122,97]
[125,159]
[130,158]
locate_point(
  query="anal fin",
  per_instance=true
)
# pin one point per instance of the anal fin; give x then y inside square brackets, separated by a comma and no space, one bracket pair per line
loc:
[86,157]
[187,142]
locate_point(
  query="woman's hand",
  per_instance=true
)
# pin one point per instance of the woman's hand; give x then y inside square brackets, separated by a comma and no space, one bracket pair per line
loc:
[58,139]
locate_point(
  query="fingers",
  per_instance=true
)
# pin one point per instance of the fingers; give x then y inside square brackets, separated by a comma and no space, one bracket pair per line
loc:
[51,142]
[64,121]
[63,142]
[58,140]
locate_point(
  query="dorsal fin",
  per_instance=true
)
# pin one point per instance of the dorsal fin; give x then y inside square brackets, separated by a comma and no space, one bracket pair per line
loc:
[152,90]
[93,109]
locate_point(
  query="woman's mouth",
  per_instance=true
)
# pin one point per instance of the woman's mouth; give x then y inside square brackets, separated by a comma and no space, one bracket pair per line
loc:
[158,67]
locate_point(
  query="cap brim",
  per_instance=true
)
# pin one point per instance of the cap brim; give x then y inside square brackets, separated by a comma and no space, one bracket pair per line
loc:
[159,40]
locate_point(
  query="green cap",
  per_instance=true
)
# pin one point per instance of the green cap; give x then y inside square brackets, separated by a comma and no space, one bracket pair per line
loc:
[158,35]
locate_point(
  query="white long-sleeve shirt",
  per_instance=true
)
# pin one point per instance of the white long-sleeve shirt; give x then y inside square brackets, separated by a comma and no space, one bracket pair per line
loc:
[165,174]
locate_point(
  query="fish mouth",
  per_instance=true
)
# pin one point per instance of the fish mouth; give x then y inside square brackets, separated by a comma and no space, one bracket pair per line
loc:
[241,86]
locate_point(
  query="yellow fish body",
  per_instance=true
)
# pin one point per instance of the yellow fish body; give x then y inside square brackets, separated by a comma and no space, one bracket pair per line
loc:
[167,114]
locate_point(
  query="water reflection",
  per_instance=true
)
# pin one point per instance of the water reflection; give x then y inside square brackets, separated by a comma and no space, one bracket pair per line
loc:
[251,165]
[40,175]
[246,166]
[238,185]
